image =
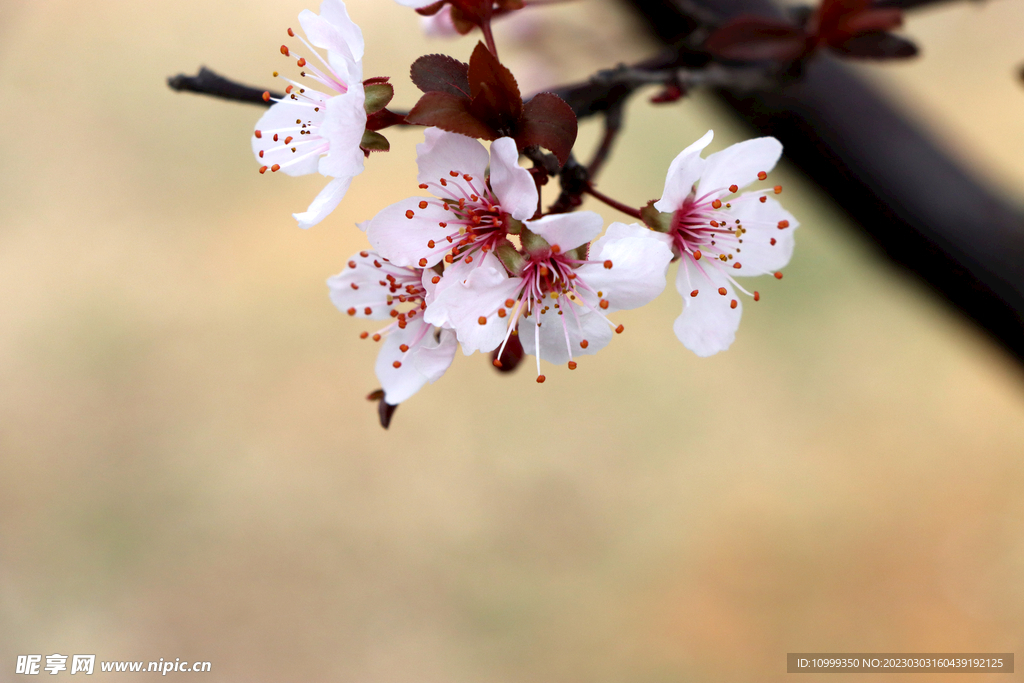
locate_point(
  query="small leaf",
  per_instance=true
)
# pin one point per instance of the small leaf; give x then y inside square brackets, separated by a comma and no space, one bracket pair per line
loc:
[549,123]
[432,73]
[749,38]
[450,113]
[876,45]
[491,81]
[374,142]
[378,96]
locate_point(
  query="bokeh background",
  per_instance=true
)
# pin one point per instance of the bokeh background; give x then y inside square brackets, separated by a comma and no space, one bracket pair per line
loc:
[189,468]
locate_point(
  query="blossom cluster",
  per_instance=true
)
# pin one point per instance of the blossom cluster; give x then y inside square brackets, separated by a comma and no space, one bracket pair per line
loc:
[473,260]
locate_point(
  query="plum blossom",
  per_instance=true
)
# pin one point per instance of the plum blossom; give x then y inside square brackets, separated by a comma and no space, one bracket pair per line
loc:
[558,297]
[719,236]
[414,352]
[477,198]
[310,131]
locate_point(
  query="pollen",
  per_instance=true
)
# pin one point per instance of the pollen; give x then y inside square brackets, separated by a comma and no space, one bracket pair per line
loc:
[351,311]
[737,265]
[722,291]
[734,188]
[376,337]
[424,186]
[502,312]
[266,95]
[509,303]
[397,364]
[482,320]
[430,244]
[733,303]
[453,174]
[572,365]
[263,169]
[619,329]
[604,303]
[608,264]
[763,199]
[403,348]
[301,62]
[757,295]
[423,205]
[291,33]
[778,276]
[367,310]
[714,224]
[364,335]
[435,279]
[496,363]
[773,241]
[783,225]
[409,214]
[695,292]
[540,379]
[584,344]
[423,263]
[777,189]
[696,255]
[258,134]
[717,204]
[762,175]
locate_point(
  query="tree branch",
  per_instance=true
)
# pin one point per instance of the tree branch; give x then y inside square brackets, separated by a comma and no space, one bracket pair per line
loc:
[207,82]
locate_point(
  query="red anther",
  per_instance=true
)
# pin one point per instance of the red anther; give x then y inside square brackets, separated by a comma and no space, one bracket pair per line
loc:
[453,174]
[444,225]
[723,291]
[275,137]
[714,224]
[469,259]
[364,254]
[509,303]
[275,168]
[757,295]
[468,178]
[288,139]
[351,311]
[502,312]
[430,244]
[696,255]
[266,95]
[733,303]
[403,348]
[717,204]
[762,175]
[540,379]
[353,285]
[604,303]
[367,310]
[482,320]
[263,169]
[258,134]
[496,363]
[778,276]
[435,279]
[584,344]
[302,61]
[737,265]
[763,199]
[376,337]
[572,365]
[284,50]
[261,154]
[397,364]
[401,324]
[608,264]
[694,292]
[444,183]
[777,189]
[423,186]
[448,258]
[544,272]
[364,335]
[289,89]
[423,205]
[423,263]
[734,188]
[291,33]
[394,313]
[619,329]
[555,249]
[773,241]
[783,225]
[409,214]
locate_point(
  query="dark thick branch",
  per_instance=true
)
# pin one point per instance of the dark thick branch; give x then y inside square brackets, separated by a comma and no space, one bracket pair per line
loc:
[207,82]
[920,206]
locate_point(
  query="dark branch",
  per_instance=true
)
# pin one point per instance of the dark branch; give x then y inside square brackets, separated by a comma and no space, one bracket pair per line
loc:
[207,82]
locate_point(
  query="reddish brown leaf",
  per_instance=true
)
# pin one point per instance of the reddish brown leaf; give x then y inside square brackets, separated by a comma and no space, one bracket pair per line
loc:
[441,73]
[549,123]
[876,45]
[871,20]
[752,38]
[493,85]
[450,113]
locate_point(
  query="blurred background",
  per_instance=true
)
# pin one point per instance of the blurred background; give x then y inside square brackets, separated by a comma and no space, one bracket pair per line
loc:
[189,468]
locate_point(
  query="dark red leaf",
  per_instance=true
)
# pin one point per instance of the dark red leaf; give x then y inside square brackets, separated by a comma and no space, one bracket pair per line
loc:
[871,20]
[493,85]
[510,356]
[431,10]
[876,45]
[441,73]
[831,12]
[549,123]
[752,38]
[450,113]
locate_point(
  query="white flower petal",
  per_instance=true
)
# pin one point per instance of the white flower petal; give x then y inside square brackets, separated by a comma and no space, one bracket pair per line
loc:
[560,332]
[440,25]
[325,202]
[739,164]
[684,171]
[707,324]
[335,12]
[403,240]
[568,230]
[425,361]
[368,292]
[512,184]
[478,294]
[442,152]
[280,120]
[639,260]
[761,221]
[342,41]
[343,128]
[416,4]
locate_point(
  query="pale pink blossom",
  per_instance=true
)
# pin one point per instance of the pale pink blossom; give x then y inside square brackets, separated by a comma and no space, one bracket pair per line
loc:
[476,195]
[719,236]
[558,297]
[310,131]
[413,352]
